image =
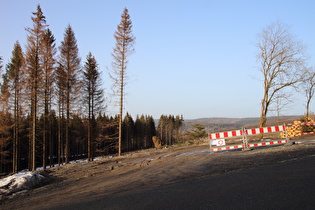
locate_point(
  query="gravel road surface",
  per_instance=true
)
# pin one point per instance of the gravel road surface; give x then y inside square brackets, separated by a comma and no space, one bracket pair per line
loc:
[274,177]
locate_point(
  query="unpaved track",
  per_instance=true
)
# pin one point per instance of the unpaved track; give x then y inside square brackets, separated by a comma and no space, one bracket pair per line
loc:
[84,184]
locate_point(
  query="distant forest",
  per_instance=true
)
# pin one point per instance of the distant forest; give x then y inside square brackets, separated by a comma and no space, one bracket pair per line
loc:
[52,109]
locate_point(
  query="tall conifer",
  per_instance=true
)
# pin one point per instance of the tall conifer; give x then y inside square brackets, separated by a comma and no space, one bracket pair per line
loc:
[34,53]
[15,72]
[123,48]
[69,60]
[93,98]
[48,63]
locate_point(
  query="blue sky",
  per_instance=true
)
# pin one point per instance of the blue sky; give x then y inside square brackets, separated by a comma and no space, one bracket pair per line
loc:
[192,58]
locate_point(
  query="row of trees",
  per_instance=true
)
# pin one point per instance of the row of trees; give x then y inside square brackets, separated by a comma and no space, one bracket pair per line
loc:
[137,134]
[38,82]
[52,108]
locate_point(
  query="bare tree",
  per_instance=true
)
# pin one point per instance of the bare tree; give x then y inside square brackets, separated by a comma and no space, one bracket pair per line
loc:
[1,65]
[281,60]
[123,48]
[308,88]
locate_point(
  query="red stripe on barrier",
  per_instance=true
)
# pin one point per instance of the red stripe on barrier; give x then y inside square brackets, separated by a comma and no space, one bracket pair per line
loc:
[261,130]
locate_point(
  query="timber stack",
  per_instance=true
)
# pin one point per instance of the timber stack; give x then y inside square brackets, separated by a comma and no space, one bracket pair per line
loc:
[297,129]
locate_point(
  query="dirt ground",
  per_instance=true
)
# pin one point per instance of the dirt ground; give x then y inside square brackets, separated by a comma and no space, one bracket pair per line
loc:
[146,169]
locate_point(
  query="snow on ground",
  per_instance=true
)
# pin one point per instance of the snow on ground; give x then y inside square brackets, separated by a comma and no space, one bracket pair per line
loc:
[20,181]
[26,180]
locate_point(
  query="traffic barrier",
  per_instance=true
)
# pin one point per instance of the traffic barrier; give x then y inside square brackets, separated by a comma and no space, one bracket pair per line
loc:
[265,130]
[301,123]
[286,132]
[249,145]
[226,134]
[253,131]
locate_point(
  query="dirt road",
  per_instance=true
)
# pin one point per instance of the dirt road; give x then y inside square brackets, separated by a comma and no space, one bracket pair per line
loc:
[141,177]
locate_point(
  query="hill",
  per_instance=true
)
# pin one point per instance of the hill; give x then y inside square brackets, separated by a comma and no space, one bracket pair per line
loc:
[214,124]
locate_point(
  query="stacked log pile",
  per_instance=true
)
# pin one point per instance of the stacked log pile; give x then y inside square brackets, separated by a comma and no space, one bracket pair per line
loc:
[297,129]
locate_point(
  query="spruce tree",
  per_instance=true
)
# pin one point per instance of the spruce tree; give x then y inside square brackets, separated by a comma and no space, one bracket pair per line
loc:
[15,72]
[34,53]
[123,49]
[60,92]
[69,61]
[93,98]
[48,63]
[5,121]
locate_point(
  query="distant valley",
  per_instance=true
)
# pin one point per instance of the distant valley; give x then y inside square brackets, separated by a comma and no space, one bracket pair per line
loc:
[214,124]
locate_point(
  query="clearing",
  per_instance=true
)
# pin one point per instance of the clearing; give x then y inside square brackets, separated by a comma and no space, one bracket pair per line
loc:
[145,169]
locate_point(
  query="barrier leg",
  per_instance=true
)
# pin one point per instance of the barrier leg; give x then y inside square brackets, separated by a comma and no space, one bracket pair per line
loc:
[245,140]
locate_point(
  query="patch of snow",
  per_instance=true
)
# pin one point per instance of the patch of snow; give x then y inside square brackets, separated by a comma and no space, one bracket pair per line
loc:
[20,181]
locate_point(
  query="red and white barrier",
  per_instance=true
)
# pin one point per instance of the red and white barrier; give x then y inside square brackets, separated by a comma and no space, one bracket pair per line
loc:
[302,123]
[253,131]
[302,134]
[249,145]
[226,134]
[265,130]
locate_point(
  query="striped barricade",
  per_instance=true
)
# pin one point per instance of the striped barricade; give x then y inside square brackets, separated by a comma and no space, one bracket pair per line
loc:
[265,130]
[245,132]
[249,145]
[253,131]
[227,134]
[302,123]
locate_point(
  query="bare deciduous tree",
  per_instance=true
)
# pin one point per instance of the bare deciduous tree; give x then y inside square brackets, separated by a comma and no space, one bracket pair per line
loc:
[281,60]
[308,88]
[123,48]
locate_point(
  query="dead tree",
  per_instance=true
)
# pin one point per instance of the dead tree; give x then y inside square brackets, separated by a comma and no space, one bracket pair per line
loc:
[123,49]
